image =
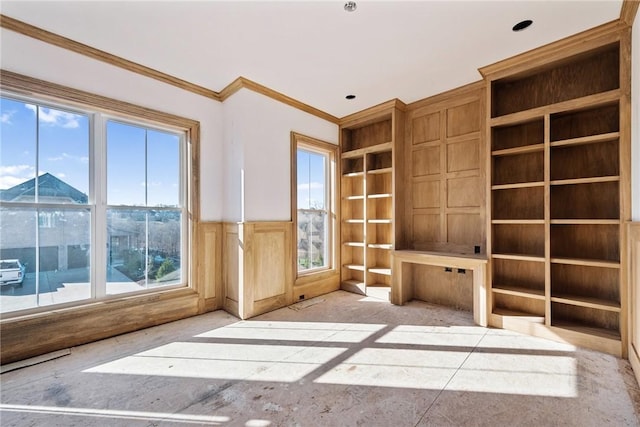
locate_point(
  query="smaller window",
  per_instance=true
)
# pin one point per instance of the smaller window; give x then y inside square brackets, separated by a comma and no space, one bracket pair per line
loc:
[314,214]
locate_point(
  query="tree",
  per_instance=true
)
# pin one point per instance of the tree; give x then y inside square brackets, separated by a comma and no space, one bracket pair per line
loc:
[165,268]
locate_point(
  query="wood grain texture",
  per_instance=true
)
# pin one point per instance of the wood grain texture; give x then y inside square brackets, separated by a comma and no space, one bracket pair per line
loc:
[447,145]
[372,114]
[231,267]
[633,295]
[629,11]
[100,55]
[406,284]
[267,279]
[63,328]
[555,51]
[208,260]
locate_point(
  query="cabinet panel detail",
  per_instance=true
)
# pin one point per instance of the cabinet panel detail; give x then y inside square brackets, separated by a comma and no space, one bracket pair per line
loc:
[464,192]
[463,156]
[426,128]
[426,161]
[463,119]
[426,194]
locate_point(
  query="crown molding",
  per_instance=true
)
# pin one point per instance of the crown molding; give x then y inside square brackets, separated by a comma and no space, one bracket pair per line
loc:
[244,83]
[100,55]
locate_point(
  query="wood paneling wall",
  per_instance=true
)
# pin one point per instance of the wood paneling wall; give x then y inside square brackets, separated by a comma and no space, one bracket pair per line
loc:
[446,172]
[257,274]
[208,263]
[634,296]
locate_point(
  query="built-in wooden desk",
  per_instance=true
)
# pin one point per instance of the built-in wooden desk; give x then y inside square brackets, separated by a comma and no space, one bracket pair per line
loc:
[402,290]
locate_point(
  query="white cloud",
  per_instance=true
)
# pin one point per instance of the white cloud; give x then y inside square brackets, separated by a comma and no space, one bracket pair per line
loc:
[61,175]
[15,169]
[6,117]
[13,175]
[56,117]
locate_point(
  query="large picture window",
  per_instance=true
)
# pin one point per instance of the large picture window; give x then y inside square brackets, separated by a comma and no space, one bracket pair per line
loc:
[90,205]
[314,216]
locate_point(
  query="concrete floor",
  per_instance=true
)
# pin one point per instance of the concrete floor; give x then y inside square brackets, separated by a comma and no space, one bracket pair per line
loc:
[337,360]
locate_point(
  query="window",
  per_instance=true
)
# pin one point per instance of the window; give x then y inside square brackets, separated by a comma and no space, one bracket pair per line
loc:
[314,214]
[91,205]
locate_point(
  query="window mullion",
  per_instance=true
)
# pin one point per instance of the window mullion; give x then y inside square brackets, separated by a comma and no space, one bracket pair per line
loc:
[99,208]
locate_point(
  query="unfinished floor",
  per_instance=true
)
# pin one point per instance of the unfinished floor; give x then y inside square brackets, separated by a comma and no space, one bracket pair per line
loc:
[337,360]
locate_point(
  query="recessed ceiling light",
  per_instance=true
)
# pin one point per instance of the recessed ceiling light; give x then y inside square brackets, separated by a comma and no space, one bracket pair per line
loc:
[350,97]
[522,25]
[350,6]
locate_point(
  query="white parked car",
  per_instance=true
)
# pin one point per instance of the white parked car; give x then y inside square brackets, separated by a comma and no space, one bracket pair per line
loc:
[11,272]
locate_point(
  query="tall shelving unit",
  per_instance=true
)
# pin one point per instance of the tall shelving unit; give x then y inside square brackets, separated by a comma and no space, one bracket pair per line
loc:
[369,143]
[559,192]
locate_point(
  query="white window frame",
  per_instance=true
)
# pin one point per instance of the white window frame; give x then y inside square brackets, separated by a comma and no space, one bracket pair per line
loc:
[313,145]
[97,197]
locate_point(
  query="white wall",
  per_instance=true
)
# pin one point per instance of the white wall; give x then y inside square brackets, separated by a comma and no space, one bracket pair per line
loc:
[635,121]
[257,155]
[33,58]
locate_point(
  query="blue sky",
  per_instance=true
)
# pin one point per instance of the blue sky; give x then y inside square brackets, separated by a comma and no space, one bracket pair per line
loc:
[64,152]
[311,181]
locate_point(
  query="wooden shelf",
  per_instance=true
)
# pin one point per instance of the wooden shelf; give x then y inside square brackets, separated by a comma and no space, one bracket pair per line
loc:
[353,198]
[386,271]
[586,262]
[593,139]
[588,330]
[386,146]
[380,171]
[518,150]
[380,245]
[379,196]
[518,185]
[517,257]
[588,302]
[517,221]
[539,112]
[354,221]
[529,317]
[379,221]
[519,292]
[586,221]
[352,174]
[354,244]
[356,267]
[586,180]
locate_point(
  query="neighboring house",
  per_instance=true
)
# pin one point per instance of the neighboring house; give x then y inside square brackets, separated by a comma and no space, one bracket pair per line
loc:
[64,236]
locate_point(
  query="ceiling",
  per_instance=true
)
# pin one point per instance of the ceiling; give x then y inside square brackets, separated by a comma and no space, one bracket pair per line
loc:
[316,52]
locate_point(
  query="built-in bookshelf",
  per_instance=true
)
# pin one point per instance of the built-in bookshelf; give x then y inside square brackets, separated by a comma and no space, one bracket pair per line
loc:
[557,185]
[367,229]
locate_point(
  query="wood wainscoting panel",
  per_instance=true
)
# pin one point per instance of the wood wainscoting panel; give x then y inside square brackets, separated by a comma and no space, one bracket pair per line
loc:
[634,296]
[268,278]
[232,267]
[208,262]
